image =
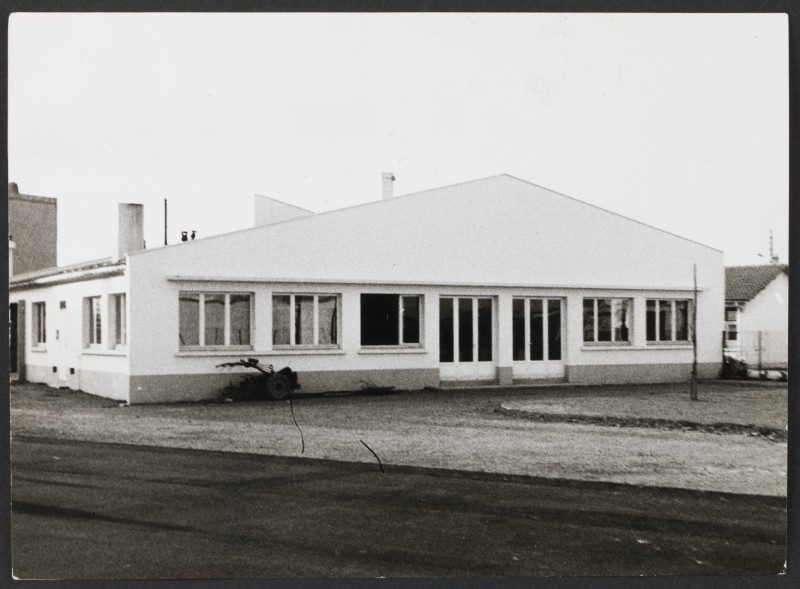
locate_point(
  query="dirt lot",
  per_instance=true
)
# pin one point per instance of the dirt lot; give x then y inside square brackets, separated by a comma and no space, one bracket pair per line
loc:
[453,430]
[754,404]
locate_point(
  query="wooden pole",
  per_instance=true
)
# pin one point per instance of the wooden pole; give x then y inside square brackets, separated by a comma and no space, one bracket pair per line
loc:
[693,389]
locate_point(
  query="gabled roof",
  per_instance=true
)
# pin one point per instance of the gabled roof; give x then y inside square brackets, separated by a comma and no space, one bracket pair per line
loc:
[743,283]
[494,231]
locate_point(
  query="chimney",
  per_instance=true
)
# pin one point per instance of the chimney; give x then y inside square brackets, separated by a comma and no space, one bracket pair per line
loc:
[388,185]
[131,229]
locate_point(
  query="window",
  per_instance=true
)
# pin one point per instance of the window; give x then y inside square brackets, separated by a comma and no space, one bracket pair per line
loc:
[732,323]
[667,320]
[117,310]
[39,316]
[536,329]
[606,320]
[93,322]
[214,319]
[305,320]
[390,320]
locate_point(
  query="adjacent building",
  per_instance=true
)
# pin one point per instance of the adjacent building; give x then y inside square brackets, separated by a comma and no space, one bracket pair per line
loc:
[32,239]
[757,314]
[491,281]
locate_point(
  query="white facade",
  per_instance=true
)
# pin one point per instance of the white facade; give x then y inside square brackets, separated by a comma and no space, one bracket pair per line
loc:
[762,326]
[490,281]
[63,352]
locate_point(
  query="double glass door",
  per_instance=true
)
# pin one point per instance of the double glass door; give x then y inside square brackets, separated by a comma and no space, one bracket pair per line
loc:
[537,337]
[466,338]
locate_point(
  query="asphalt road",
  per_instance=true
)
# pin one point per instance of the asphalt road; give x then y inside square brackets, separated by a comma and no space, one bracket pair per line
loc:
[97,510]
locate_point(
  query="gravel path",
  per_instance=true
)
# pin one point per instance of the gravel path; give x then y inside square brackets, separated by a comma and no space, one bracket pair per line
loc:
[450,429]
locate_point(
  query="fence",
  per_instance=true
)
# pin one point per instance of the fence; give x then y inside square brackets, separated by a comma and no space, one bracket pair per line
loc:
[759,349]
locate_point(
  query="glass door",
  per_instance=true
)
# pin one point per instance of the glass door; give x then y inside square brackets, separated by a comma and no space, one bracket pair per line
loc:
[466,338]
[538,328]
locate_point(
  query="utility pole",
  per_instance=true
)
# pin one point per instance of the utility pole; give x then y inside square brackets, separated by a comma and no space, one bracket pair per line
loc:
[165,221]
[693,388]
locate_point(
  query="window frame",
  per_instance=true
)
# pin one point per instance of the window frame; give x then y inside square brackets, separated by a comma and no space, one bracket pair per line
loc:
[400,327]
[94,321]
[673,320]
[201,320]
[629,322]
[118,311]
[545,336]
[475,323]
[732,325]
[293,345]
[39,324]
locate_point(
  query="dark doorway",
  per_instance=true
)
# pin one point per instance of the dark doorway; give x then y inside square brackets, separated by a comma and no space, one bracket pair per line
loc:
[12,329]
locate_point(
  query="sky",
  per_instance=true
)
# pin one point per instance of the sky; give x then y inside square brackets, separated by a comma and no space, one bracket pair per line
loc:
[678,121]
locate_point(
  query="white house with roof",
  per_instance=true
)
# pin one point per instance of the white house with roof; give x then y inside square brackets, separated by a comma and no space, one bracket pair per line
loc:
[757,314]
[490,281]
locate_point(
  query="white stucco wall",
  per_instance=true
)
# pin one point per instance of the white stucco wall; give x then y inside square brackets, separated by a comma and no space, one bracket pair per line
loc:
[767,314]
[63,360]
[769,309]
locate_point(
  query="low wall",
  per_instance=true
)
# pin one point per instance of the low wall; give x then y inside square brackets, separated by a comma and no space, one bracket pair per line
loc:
[203,387]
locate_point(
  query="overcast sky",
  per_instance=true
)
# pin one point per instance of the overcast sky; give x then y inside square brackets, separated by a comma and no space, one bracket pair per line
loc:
[679,121]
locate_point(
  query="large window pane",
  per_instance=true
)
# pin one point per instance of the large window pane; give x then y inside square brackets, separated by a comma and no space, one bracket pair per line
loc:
[604,320]
[120,320]
[664,320]
[465,330]
[554,329]
[621,320]
[682,320]
[518,328]
[240,320]
[588,320]
[651,321]
[215,319]
[39,322]
[280,320]
[380,322]
[97,322]
[446,330]
[537,329]
[410,320]
[327,320]
[304,320]
[484,330]
[189,319]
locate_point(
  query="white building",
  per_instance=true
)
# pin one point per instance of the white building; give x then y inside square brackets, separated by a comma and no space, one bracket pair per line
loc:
[757,314]
[493,281]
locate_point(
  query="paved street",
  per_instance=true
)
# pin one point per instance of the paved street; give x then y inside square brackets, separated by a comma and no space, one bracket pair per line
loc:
[100,510]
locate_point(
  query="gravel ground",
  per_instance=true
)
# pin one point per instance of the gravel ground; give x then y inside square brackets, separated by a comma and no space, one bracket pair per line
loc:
[749,404]
[439,429]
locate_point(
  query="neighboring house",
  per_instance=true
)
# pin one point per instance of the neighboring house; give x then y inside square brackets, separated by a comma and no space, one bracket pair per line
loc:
[757,314]
[491,281]
[33,228]
[32,239]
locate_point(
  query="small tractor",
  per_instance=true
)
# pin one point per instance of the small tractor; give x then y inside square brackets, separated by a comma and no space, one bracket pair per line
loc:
[265,384]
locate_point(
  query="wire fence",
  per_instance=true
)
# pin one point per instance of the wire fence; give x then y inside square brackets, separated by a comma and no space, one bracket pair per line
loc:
[759,350]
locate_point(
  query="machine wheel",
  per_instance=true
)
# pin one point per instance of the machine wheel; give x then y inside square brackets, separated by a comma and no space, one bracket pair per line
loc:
[279,387]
